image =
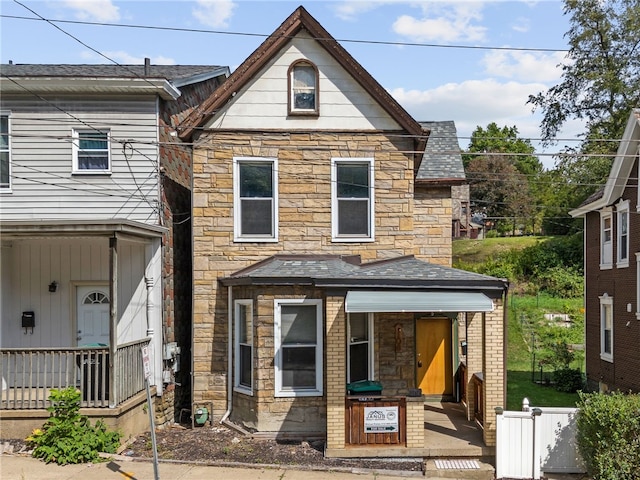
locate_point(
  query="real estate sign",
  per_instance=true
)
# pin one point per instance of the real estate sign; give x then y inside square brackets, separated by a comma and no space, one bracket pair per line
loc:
[381,419]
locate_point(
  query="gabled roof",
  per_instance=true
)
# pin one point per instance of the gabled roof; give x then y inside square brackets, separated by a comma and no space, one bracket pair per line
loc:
[442,160]
[84,78]
[300,19]
[347,271]
[620,170]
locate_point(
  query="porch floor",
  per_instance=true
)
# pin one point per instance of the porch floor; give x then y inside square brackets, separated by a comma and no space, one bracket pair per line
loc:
[448,433]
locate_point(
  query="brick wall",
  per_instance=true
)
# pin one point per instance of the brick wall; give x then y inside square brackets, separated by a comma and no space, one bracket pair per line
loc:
[619,283]
[175,175]
[494,369]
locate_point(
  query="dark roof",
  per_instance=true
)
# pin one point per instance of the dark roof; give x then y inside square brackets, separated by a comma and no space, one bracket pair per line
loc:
[442,160]
[347,271]
[299,20]
[168,72]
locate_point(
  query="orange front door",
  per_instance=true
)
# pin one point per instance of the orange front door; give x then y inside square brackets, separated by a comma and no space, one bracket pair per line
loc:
[434,371]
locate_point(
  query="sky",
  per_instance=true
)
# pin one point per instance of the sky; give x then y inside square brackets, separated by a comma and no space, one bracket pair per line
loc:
[474,62]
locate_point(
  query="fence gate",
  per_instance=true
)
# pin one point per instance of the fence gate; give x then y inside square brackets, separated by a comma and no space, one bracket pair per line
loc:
[540,440]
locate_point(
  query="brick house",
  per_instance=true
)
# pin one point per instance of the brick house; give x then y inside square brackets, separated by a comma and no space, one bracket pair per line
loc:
[322,253]
[95,257]
[612,285]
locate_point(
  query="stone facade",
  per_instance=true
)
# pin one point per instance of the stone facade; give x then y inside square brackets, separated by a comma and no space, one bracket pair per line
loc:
[304,189]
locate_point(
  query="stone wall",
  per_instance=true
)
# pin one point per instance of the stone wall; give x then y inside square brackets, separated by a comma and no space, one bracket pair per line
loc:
[304,187]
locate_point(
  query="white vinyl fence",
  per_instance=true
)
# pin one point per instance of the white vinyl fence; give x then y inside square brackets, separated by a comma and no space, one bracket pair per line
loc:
[542,439]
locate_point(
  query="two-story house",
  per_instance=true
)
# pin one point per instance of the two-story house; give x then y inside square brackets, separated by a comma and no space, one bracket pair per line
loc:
[322,253]
[611,261]
[95,259]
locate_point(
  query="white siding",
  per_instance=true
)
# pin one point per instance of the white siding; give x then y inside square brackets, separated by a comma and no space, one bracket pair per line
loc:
[344,104]
[43,186]
[27,268]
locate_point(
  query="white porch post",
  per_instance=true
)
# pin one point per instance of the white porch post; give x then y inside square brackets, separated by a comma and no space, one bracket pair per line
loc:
[113,319]
[153,282]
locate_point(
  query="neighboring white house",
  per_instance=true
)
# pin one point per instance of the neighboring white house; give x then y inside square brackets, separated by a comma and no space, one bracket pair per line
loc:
[87,193]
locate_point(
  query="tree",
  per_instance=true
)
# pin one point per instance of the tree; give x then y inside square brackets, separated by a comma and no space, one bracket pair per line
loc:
[601,81]
[498,190]
[503,174]
[575,178]
[504,141]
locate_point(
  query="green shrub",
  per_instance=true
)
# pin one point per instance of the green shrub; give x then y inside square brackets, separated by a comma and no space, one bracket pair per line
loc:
[568,380]
[609,435]
[561,282]
[68,437]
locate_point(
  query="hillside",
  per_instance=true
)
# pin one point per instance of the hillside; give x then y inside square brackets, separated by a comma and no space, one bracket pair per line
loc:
[467,251]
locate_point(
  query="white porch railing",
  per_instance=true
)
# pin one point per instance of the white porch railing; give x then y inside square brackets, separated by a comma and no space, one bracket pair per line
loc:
[29,375]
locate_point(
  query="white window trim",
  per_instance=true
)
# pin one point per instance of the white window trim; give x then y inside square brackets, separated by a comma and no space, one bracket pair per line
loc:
[6,113]
[236,345]
[606,300]
[75,135]
[277,333]
[604,214]
[370,353]
[237,220]
[335,234]
[621,208]
[304,111]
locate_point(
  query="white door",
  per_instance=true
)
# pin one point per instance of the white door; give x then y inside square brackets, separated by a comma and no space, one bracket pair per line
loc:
[93,315]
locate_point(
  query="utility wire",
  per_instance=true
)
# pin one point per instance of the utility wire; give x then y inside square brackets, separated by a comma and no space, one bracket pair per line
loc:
[262,35]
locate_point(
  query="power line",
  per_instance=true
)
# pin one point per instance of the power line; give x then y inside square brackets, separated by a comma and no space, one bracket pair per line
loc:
[262,35]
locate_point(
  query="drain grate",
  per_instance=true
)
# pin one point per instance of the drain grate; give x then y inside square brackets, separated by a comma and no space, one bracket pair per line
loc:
[457,464]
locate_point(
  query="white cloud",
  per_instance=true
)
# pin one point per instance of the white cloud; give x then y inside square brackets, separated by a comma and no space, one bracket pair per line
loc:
[349,10]
[94,10]
[125,58]
[443,22]
[214,13]
[476,103]
[521,25]
[524,65]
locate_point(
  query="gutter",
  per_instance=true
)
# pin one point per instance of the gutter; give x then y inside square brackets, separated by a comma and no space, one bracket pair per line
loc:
[229,354]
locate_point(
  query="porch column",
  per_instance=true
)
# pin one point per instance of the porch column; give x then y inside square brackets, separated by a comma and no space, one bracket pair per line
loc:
[113,318]
[475,357]
[494,369]
[336,371]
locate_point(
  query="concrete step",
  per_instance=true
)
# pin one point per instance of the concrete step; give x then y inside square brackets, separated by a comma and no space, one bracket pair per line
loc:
[459,468]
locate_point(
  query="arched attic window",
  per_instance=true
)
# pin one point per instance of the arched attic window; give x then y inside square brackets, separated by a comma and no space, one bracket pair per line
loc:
[303,88]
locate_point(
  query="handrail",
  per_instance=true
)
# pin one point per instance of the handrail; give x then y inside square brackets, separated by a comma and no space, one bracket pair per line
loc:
[29,374]
[478,404]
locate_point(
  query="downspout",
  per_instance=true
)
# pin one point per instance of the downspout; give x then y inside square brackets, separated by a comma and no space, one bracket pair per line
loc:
[229,353]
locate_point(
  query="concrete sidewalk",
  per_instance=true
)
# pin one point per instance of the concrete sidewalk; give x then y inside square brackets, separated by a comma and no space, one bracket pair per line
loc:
[18,467]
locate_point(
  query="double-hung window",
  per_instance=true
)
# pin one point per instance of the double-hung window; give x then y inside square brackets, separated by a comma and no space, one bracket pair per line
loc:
[243,364]
[606,328]
[5,152]
[298,347]
[91,153]
[352,199]
[255,199]
[303,88]
[606,240]
[622,259]
[360,348]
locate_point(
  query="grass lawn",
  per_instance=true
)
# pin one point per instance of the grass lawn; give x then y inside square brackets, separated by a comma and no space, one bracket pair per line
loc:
[526,315]
[478,251]
[519,356]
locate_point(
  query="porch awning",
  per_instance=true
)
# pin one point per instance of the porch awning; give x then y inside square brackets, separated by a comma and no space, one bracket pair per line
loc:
[361,301]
